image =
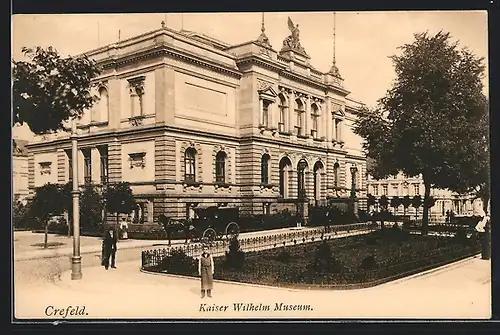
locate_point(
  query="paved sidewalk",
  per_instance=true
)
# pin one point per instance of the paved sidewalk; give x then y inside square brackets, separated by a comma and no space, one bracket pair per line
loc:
[459,290]
[91,245]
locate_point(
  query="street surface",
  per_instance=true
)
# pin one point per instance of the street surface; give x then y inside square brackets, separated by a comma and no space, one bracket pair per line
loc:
[460,290]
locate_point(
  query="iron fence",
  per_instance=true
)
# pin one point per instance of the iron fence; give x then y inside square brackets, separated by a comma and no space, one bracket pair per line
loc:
[154,257]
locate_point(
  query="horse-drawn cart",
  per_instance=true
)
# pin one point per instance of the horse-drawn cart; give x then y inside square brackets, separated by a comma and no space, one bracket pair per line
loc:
[210,224]
[213,223]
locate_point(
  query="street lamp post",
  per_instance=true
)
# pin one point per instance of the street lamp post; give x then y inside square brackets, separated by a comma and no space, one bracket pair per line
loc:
[353,169]
[76,259]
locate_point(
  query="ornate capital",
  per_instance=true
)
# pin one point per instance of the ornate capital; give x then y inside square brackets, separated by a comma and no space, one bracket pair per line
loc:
[137,160]
[136,85]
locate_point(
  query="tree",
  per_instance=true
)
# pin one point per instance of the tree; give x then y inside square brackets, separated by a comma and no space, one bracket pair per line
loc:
[416,202]
[119,200]
[47,202]
[419,126]
[395,202]
[370,200]
[49,90]
[91,206]
[384,203]
[406,202]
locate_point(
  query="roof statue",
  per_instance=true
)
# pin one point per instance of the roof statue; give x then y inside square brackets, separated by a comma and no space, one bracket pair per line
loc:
[293,40]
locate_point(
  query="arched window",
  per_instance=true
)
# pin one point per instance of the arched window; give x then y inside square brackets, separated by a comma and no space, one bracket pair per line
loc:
[283,111]
[336,167]
[264,169]
[138,213]
[103,104]
[299,111]
[284,167]
[301,178]
[220,167]
[318,170]
[190,164]
[314,119]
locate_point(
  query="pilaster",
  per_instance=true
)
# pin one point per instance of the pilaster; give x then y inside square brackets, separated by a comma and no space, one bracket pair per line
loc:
[115,162]
[114,103]
[61,164]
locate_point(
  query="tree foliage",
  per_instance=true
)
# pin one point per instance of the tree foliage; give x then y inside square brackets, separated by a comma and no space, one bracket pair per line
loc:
[433,121]
[370,200]
[49,89]
[395,202]
[91,206]
[383,202]
[47,202]
[119,198]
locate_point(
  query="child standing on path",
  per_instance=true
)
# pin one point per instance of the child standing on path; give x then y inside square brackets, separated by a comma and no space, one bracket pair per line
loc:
[206,272]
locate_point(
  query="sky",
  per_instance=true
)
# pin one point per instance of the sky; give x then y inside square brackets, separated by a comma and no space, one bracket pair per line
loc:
[364,40]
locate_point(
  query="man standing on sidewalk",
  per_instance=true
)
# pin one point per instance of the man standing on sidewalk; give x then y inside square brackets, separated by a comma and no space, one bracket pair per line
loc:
[110,240]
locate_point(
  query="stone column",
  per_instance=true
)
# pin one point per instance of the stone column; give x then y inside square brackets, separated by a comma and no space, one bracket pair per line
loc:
[96,165]
[81,167]
[261,112]
[328,120]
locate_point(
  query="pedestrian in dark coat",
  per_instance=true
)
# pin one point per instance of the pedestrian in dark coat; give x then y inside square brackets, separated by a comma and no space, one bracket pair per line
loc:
[206,272]
[165,222]
[109,248]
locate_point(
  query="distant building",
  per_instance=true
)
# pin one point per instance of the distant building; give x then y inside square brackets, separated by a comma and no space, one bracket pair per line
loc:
[20,170]
[191,122]
[445,200]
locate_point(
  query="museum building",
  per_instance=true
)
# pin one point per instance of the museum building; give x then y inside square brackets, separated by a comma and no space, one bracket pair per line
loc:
[190,122]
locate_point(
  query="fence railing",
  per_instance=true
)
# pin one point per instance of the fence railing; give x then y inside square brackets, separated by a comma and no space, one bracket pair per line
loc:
[154,257]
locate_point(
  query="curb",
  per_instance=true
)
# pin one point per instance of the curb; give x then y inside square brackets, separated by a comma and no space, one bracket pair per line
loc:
[439,268]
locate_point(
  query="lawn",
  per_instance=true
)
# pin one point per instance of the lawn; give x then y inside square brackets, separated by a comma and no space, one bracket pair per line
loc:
[344,261]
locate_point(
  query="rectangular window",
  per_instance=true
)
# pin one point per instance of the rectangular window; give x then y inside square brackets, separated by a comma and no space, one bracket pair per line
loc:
[375,190]
[416,189]
[395,190]
[104,164]
[384,190]
[87,166]
[337,129]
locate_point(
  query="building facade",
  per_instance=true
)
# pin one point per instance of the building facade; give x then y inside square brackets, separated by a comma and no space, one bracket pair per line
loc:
[446,200]
[20,170]
[191,122]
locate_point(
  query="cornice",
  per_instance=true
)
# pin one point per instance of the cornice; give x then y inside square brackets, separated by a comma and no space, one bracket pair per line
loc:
[162,51]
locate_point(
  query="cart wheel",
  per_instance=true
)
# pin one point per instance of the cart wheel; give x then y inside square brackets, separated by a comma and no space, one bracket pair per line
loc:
[232,230]
[209,235]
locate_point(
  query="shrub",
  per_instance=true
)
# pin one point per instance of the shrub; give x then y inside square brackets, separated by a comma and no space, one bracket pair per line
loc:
[461,236]
[323,261]
[21,217]
[235,257]
[369,263]
[59,226]
[284,256]
[179,263]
